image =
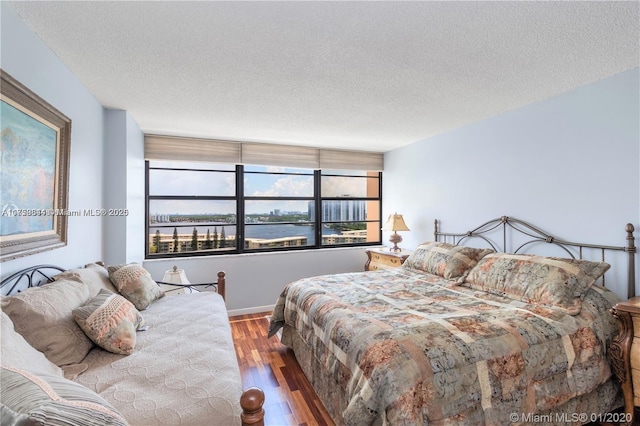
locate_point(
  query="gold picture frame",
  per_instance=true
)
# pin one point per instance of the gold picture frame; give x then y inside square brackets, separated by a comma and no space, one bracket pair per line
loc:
[34,169]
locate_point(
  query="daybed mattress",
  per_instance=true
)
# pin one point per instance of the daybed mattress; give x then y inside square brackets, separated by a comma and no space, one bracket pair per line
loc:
[404,347]
[183,370]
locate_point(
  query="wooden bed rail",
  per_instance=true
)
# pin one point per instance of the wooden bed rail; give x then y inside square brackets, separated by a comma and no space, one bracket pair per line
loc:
[251,402]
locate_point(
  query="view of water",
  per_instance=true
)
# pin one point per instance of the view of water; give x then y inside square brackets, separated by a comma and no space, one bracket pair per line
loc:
[269,231]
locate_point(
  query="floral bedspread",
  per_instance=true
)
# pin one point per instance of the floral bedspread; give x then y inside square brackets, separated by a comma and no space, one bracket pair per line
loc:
[405,347]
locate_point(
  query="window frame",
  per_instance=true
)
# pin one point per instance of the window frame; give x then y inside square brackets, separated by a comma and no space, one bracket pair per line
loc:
[246,198]
[319,213]
[240,198]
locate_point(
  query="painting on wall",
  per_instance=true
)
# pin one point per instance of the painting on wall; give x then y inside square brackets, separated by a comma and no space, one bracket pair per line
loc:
[34,172]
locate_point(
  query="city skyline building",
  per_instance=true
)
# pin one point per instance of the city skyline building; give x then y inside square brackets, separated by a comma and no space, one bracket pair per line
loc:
[344,210]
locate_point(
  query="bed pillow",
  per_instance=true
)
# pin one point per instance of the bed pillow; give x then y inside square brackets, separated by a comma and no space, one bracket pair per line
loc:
[43,399]
[16,352]
[551,281]
[94,275]
[135,283]
[42,315]
[110,321]
[446,260]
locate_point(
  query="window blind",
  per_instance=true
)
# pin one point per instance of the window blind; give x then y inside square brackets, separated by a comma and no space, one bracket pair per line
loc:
[280,155]
[217,151]
[351,160]
[191,149]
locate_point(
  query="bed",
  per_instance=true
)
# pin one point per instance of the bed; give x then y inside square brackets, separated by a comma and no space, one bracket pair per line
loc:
[180,369]
[461,335]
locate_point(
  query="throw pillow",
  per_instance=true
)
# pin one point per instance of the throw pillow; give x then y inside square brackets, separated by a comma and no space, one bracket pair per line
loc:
[16,352]
[44,399]
[95,276]
[445,260]
[110,321]
[551,281]
[135,283]
[42,315]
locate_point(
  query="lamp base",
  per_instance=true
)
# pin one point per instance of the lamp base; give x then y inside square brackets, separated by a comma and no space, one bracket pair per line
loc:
[395,239]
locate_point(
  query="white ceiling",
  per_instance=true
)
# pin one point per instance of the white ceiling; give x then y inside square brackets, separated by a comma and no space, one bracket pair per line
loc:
[359,75]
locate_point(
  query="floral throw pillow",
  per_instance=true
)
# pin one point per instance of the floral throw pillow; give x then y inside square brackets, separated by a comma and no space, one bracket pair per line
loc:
[446,260]
[551,281]
[110,321]
[135,283]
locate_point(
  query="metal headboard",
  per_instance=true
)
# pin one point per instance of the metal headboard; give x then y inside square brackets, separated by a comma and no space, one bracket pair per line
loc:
[35,276]
[32,276]
[520,227]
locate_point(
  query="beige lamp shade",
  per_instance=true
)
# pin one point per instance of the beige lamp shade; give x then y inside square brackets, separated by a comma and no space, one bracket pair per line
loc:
[175,276]
[395,223]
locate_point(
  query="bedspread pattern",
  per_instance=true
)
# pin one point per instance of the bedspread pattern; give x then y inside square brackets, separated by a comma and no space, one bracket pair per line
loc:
[412,348]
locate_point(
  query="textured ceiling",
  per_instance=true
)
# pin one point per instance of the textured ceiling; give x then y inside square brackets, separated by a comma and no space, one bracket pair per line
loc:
[358,75]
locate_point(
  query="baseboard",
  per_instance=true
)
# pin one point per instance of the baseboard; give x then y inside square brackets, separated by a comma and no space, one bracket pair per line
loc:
[254,310]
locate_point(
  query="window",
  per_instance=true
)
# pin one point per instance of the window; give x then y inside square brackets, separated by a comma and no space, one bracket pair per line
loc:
[350,207]
[204,208]
[279,207]
[192,207]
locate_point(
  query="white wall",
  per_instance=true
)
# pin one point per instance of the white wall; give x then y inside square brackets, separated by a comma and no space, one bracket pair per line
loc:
[124,180]
[254,281]
[115,175]
[26,58]
[568,164]
[135,192]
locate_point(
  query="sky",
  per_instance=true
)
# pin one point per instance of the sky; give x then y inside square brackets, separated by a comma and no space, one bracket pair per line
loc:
[201,183]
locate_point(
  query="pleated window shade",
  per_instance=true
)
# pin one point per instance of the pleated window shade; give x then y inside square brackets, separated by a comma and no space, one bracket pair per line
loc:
[280,155]
[191,149]
[216,151]
[351,160]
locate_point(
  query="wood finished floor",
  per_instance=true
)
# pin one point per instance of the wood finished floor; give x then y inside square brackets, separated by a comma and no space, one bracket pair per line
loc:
[269,365]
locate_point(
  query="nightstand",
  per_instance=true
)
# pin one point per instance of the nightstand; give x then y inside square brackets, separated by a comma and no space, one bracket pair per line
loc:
[624,353]
[382,258]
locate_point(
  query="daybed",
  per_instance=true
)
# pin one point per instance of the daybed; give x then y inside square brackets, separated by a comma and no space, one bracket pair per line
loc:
[71,353]
[460,335]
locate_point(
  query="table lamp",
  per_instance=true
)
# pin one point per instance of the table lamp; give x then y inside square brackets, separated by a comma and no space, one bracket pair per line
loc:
[395,223]
[175,276]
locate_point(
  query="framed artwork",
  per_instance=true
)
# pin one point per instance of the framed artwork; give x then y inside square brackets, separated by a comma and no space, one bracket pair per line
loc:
[34,172]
